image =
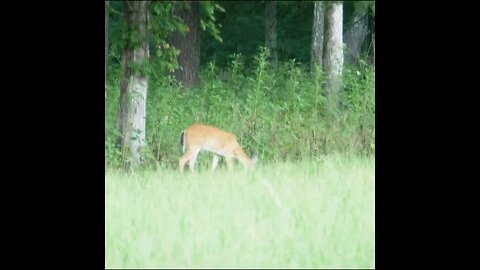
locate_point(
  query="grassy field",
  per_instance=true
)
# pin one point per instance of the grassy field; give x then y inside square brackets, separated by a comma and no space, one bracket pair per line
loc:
[310,214]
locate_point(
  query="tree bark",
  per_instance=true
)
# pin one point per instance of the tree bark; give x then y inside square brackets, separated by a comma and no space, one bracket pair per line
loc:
[333,51]
[373,41]
[107,5]
[355,36]
[271,30]
[134,84]
[188,43]
[317,36]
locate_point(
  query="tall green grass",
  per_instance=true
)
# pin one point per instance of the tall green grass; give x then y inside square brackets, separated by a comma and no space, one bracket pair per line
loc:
[314,213]
[280,113]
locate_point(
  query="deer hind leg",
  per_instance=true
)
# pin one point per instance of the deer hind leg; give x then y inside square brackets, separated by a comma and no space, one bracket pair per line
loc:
[189,156]
[193,158]
[183,160]
[215,161]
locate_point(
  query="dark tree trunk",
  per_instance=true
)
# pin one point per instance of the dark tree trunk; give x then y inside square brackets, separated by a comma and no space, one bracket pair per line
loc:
[355,36]
[133,87]
[316,54]
[271,30]
[188,43]
[107,5]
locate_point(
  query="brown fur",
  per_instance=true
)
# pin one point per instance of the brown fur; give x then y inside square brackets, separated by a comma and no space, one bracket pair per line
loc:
[198,138]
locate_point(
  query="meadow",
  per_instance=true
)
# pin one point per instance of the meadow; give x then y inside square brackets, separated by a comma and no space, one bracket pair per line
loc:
[317,212]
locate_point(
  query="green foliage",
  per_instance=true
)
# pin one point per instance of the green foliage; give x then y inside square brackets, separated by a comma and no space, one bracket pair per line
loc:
[358,98]
[362,6]
[242,32]
[281,114]
[208,20]
[115,25]
[113,153]
[161,25]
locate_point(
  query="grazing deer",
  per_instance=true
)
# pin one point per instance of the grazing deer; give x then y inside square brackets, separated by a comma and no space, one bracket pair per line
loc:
[207,138]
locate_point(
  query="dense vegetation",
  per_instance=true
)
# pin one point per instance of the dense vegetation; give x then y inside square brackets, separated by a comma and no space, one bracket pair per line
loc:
[278,113]
[281,113]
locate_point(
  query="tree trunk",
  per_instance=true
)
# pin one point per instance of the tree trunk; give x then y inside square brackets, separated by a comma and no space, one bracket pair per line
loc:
[317,36]
[271,30]
[355,36]
[107,5]
[188,43]
[373,41]
[133,87]
[333,51]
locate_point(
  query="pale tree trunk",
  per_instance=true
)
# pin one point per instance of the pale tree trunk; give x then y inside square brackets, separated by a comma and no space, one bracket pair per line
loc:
[333,51]
[271,30]
[355,36]
[188,43]
[107,5]
[133,86]
[317,36]
[373,41]
[373,52]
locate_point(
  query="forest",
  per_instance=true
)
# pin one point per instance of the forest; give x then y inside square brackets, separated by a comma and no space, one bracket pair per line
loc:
[294,81]
[247,67]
